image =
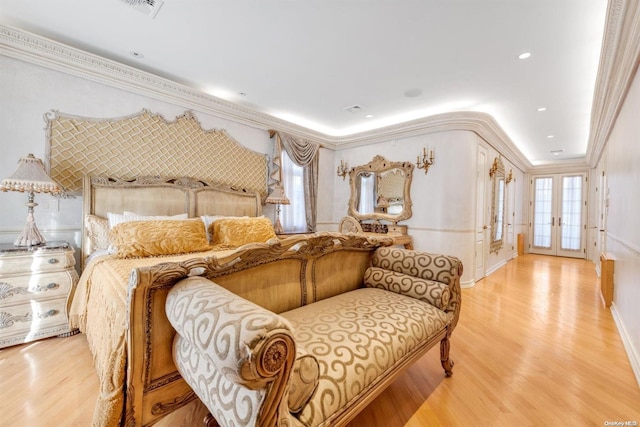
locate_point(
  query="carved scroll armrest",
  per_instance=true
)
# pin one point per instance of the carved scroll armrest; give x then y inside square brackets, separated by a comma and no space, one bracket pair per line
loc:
[235,355]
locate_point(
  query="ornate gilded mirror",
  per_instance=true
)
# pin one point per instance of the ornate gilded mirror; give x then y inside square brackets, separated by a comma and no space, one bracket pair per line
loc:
[498,191]
[380,190]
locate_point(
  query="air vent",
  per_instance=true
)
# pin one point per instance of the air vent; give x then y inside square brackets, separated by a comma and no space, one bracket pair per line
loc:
[354,109]
[556,152]
[148,7]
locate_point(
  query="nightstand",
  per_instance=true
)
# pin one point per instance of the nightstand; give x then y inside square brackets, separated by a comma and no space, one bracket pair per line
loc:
[36,286]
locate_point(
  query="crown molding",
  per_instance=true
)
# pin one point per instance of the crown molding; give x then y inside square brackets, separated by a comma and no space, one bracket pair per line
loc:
[48,53]
[619,60]
[561,166]
[482,124]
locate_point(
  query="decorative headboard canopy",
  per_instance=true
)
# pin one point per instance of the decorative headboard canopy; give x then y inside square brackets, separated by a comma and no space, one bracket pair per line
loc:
[146,144]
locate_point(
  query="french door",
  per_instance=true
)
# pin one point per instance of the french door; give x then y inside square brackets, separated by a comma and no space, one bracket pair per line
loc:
[558,215]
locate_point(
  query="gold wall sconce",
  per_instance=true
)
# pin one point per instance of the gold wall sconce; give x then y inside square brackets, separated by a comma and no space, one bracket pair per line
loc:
[343,169]
[509,177]
[425,162]
[494,167]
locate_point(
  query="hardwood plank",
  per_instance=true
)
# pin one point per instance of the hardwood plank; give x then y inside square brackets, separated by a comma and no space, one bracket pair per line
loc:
[48,383]
[533,347]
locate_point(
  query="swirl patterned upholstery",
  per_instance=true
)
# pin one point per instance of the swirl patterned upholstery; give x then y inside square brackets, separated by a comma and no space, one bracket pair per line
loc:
[433,268]
[227,348]
[326,359]
[357,337]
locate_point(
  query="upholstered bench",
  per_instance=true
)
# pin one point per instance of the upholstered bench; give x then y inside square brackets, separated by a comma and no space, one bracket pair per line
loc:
[321,363]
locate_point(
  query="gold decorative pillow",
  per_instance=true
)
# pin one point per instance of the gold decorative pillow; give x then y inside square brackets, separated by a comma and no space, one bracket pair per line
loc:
[210,219]
[158,237]
[97,231]
[240,231]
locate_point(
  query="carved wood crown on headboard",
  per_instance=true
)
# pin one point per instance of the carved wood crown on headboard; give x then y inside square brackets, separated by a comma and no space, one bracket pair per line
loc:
[145,144]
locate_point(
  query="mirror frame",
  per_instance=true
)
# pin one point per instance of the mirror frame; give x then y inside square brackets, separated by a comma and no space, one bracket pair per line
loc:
[380,164]
[497,171]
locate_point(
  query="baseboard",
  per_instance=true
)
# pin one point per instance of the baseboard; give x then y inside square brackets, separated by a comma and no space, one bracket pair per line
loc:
[468,284]
[495,267]
[626,341]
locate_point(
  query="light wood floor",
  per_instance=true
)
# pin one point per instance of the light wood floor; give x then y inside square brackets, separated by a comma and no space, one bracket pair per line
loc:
[533,347]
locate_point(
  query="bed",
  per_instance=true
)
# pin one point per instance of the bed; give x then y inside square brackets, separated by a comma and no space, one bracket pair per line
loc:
[123,318]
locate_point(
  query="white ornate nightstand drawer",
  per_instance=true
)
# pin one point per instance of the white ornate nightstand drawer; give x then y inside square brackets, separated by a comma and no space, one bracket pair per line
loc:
[36,284]
[18,289]
[38,261]
[28,322]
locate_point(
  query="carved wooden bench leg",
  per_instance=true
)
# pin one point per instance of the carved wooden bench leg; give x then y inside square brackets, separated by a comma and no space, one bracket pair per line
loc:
[447,363]
[209,421]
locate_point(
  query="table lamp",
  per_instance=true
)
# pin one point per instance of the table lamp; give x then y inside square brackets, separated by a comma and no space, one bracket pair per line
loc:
[277,197]
[30,177]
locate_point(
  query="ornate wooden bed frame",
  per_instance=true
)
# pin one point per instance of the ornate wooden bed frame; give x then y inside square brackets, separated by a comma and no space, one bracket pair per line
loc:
[153,386]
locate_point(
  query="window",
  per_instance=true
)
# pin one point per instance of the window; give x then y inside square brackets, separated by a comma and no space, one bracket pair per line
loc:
[293,217]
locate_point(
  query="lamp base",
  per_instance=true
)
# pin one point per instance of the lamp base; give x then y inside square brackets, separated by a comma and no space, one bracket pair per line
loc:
[278,227]
[30,235]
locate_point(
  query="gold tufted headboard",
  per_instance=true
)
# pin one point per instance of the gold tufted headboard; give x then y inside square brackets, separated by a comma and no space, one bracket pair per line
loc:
[146,144]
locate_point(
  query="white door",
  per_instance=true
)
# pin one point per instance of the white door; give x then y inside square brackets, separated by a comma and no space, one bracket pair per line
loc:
[481,214]
[558,225]
[510,217]
[602,220]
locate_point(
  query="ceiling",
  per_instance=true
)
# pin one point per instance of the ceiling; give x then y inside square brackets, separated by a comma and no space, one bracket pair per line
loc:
[308,61]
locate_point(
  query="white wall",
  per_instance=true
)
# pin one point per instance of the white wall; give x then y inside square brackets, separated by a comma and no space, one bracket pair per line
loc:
[29,91]
[444,200]
[620,163]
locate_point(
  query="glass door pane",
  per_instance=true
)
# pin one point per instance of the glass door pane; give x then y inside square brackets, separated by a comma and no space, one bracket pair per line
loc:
[570,219]
[542,212]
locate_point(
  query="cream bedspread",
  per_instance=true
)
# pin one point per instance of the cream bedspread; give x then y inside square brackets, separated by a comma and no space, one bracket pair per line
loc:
[99,310]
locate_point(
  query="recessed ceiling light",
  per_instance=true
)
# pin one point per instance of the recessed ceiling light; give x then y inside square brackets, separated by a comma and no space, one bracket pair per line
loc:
[542,109]
[368,116]
[524,55]
[354,108]
[413,93]
[556,152]
[549,136]
[137,54]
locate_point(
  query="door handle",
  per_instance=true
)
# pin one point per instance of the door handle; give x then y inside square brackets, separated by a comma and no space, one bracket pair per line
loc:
[559,221]
[553,220]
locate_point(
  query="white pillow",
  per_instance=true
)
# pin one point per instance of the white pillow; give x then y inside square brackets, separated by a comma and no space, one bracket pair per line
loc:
[126,216]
